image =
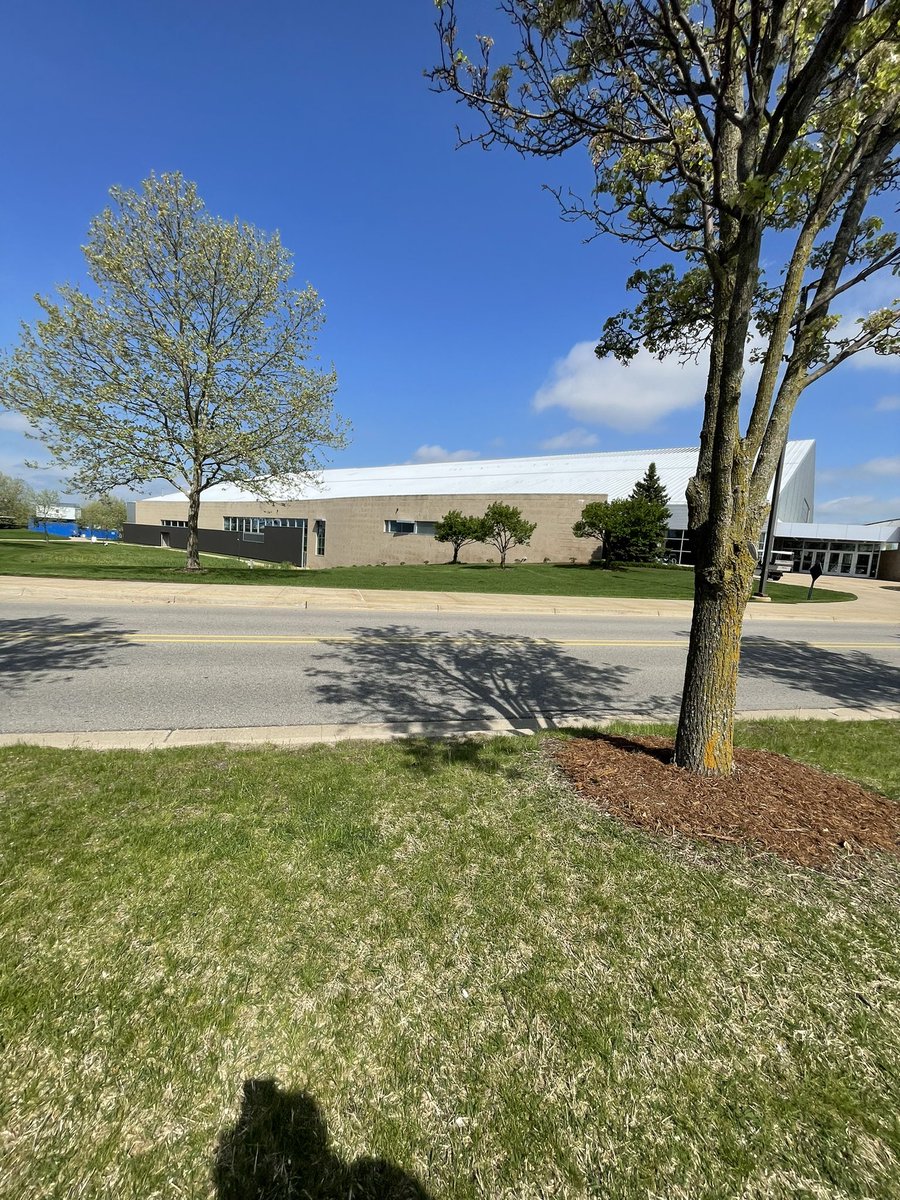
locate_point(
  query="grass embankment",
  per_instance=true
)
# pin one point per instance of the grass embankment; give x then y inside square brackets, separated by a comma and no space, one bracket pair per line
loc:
[113,561]
[442,955]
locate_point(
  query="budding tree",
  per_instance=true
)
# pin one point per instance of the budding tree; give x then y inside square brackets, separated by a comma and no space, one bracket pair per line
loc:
[744,145]
[189,360]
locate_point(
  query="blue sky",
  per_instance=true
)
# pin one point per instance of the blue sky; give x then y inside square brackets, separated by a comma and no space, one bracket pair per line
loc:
[461,310]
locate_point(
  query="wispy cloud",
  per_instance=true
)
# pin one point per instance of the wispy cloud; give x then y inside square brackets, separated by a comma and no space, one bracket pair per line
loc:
[888,404]
[604,392]
[873,468]
[572,439]
[858,508]
[882,466]
[437,454]
[13,422]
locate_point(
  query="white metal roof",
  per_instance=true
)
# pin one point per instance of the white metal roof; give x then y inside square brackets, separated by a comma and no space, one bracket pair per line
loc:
[876,531]
[612,474]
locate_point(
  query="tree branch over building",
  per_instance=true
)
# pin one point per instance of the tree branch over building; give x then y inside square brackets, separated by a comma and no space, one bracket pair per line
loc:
[748,148]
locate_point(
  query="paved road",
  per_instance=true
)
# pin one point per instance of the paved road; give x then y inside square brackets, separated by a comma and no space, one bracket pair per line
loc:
[80,668]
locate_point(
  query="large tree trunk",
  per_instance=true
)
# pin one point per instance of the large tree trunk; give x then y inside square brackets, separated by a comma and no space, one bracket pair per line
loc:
[193,522]
[705,728]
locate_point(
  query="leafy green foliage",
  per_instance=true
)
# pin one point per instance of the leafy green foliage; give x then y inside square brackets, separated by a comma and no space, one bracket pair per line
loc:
[457,530]
[106,512]
[16,502]
[189,361]
[630,530]
[745,145]
[504,527]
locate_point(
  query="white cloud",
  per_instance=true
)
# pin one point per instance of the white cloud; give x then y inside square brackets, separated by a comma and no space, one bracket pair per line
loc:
[882,466]
[604,392]
[572,439]
[13,422]
[858,509]
[437,454]
[888,404]
[875,468]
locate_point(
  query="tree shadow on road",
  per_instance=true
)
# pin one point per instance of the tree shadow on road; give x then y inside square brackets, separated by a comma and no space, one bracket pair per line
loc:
[279,1149]
[400,674]
[851,677]
[36,648]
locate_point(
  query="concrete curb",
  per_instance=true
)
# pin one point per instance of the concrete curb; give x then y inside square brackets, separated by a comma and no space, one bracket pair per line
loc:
[868,608]
[311,735]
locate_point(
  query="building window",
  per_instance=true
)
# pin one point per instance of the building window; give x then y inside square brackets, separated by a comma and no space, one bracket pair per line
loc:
[174,524]
[426,528]
[258,524]
[320,537]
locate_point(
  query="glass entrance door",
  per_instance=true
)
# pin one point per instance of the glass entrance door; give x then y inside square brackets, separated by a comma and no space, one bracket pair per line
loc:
[863,564]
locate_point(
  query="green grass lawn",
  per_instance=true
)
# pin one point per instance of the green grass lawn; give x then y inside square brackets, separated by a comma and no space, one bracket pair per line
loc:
[440,958]
[80,560]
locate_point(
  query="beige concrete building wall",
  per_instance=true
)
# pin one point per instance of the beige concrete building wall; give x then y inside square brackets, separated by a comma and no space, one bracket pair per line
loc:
[355,526]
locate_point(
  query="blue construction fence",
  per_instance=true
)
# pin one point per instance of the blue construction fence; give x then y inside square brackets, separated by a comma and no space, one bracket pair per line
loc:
[73,529]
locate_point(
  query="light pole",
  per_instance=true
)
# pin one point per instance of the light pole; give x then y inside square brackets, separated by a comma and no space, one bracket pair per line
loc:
[773,517]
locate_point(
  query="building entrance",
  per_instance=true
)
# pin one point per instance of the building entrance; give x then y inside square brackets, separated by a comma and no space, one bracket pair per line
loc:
[839,559]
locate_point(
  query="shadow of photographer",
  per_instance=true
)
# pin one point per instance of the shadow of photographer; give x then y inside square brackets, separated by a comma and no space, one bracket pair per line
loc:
[279,1149]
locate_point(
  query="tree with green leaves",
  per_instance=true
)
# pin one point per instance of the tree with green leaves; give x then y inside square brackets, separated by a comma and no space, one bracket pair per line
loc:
[16,502]
[106,512]
[457,530]
[651,489]
[190,360]
[655,514]
[628,529]
[746,149]
[504,527]
[44,504]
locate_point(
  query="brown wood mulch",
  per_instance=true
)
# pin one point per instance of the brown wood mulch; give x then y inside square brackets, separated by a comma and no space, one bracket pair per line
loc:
[770,804]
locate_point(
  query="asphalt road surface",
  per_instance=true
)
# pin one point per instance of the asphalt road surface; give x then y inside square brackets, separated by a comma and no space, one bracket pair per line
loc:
[161,667]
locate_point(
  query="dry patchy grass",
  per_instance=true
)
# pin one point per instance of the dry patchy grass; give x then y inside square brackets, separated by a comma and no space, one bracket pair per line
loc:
[479,985]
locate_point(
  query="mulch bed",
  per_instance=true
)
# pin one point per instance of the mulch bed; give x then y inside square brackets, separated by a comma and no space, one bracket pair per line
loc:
[770,804]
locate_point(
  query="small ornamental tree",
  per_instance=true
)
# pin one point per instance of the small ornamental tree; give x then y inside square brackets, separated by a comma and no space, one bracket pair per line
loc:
[458,531]
[16,502]
[106,512]
[628,529]
[44,502]
[504,527]
[189,360]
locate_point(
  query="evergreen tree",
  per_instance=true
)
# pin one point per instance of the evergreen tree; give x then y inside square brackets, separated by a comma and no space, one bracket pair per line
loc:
[655,513]
[651,488]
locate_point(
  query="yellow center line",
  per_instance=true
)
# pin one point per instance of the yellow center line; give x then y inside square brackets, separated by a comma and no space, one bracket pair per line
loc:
[384,639]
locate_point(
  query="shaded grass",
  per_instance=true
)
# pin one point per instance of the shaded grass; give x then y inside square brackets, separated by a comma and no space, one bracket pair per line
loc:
[115,561]
[474,976]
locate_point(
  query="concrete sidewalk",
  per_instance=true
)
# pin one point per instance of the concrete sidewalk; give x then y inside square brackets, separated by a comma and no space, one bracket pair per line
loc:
[877,601]
[388,731]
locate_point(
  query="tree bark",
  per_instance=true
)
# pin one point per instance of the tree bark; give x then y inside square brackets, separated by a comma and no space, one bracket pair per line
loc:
[193,522]
[703,743]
